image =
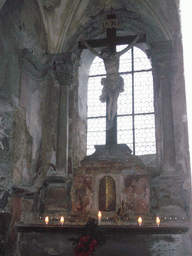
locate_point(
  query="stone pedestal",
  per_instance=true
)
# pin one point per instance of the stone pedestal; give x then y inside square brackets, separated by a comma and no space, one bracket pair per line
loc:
[55,197]
[172,200]
[52,199]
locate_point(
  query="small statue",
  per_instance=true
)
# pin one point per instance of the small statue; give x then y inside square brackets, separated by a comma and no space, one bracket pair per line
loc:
[113,84]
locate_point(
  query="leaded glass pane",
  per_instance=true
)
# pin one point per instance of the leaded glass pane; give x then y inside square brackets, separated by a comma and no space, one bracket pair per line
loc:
[143,92]
[141,62]
[125,63]
[95,133]
[144,134]
[125,98]
[95,107]
[125,131]
[97,67]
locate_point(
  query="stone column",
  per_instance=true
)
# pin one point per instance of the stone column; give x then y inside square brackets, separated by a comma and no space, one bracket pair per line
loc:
[63,70]
[166,188]
[161,56]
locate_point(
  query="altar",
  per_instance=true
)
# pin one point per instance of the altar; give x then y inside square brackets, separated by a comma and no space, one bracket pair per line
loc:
[109,178]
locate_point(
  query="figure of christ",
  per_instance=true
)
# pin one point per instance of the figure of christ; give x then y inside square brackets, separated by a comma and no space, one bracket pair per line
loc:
[113,84]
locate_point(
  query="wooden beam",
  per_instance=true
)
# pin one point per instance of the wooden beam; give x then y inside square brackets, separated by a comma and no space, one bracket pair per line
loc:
[96,43]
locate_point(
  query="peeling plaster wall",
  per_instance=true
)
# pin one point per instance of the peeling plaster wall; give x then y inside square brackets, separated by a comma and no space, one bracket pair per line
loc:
[21,96]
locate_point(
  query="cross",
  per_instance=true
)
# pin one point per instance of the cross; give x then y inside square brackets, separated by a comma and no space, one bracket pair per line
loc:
[111,41]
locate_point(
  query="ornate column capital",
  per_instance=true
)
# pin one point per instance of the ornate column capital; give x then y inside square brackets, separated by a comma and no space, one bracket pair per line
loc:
[62,66]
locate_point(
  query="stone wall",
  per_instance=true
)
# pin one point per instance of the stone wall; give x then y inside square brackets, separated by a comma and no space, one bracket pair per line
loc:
[20,93]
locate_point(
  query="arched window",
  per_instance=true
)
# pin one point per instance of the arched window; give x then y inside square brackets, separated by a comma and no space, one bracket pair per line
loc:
[135,113]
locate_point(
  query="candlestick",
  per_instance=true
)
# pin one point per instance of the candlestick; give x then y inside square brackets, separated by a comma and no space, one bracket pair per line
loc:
[99,218]
[140,221]
[158,221]
[46,220]
[62,219]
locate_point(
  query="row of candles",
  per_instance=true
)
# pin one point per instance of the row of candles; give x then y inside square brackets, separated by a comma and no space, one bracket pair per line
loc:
[158,221]
[62,220]
[140,220]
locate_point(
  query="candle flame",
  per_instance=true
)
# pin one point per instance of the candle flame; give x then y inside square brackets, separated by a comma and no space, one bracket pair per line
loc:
[46,220]
[62,219]
[140,221]
[158,221]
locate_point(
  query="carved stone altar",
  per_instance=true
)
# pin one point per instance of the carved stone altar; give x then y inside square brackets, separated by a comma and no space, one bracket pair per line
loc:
[109,177]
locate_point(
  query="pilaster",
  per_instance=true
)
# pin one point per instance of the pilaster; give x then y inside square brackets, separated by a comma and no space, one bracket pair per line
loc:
[161,56]
[62,65]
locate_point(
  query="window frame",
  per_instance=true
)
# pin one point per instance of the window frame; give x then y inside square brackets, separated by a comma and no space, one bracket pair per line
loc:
[133,114]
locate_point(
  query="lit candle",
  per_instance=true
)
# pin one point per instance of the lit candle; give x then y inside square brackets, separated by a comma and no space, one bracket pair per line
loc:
[99,218]
[157,221]
[62,219]
[46,220]
[140,221]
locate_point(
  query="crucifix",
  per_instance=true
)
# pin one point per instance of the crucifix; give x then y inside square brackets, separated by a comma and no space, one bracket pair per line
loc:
[113,84]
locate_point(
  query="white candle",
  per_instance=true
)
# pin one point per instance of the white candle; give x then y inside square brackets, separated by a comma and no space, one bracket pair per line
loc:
[158,221]
[46,220]
[99,218]
[62,219]
[140,221]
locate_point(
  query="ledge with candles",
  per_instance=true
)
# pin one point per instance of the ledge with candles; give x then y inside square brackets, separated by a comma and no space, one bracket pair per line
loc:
[130,235]
[141,226]
[109,229]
